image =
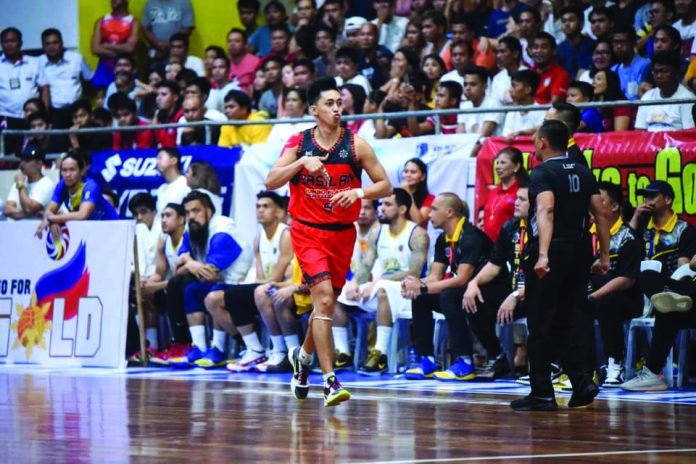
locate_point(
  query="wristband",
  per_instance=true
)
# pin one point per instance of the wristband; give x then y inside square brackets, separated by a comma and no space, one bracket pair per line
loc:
[516,295]
[360,193]
[20,185]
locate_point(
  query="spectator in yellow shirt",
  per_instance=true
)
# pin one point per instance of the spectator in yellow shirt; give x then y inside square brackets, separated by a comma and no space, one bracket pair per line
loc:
[238,108]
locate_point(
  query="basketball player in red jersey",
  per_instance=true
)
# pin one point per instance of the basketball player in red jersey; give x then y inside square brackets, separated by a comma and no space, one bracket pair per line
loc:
[324,167]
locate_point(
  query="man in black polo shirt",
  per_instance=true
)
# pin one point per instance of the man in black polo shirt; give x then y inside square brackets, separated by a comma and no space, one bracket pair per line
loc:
[496,293]
[672,242]
[557,265]
[460,252]
[571,117]
[615,297]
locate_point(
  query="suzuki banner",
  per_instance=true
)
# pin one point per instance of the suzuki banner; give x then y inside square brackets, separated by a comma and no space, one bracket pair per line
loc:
[64,300]
[128,172]
[632,159]
[447,156]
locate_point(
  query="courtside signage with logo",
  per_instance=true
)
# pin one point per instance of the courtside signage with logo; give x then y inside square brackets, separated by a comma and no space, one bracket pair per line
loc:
[64,296]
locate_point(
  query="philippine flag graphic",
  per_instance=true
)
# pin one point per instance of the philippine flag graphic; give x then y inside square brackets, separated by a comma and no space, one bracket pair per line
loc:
[70,281]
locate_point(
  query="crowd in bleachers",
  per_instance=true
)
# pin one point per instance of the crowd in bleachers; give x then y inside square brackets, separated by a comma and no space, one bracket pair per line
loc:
[386,56]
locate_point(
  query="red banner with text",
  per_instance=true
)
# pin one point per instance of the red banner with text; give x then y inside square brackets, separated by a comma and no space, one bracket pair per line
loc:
[633,159]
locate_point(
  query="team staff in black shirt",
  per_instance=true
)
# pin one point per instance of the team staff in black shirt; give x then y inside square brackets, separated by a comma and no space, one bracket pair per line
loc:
[496,293]
[557,266]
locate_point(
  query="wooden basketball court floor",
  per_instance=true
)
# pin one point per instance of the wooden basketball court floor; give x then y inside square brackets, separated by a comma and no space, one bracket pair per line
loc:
[162,415]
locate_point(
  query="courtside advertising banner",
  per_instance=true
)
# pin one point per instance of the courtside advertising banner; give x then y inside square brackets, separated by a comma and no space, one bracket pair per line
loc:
[447,156]
[632,159]
[128,172]
[64,299]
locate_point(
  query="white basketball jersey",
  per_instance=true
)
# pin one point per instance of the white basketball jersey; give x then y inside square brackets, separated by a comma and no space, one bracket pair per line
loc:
[269,249]
[171,254]
[394,251]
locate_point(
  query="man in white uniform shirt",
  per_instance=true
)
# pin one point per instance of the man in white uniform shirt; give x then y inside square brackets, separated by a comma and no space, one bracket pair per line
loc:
[400,248]
[175,187]
[31,191]
[21,78]
[667,117]
[475,86]
[64,70]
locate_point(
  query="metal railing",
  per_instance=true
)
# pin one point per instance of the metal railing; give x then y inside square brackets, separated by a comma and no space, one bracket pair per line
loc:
[208,125]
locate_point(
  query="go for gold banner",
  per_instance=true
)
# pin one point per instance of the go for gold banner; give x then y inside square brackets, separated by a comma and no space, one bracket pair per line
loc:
[632,159]
[64,296]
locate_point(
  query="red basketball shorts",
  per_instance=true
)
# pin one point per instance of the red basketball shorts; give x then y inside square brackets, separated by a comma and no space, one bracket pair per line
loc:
[323,254]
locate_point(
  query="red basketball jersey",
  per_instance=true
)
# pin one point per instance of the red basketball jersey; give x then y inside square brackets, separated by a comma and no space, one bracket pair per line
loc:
[310,194]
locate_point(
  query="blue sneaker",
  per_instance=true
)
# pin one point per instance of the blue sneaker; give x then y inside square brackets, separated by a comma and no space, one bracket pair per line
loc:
[422,369]
[460,370]
[188,360]
[212,358]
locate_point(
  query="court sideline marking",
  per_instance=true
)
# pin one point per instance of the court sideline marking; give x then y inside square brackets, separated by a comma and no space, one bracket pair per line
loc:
[536,456]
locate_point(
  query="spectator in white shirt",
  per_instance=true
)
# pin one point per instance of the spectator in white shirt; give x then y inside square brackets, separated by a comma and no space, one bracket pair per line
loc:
[179,49]
[667,117]
[509,60]
[21,78]
[462,55]
[219,75]
[174,188]
[31,190]
[200,87]
[391,28]
[475,85]
[65,70]
[347,62]
[524,87]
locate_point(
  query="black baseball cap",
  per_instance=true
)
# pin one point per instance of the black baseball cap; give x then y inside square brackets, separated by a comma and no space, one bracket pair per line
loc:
[655,187]
[31,153]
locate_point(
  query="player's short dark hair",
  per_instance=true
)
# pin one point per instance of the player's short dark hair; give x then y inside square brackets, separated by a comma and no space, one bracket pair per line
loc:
[315,89]
[348,53]
[625,30]
[240,97]
[121,101]
[197,195]
[556,134]
[78,155]
[528,78]
[51,31]
[569,114]
[403,198]
[177,208]
[585,88]
[453,89]
[142,199]
[172,153]
[271,195]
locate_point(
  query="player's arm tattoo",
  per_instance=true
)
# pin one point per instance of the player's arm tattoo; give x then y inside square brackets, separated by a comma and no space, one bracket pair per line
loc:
[362,274]
[419,245]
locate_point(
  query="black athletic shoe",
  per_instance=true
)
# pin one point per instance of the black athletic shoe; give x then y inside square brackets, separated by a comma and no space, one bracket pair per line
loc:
[584,397]
[530,403]
[299,385]
[494,369]
[343,362]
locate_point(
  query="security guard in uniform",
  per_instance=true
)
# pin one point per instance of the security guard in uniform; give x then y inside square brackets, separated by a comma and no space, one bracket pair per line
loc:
[557,266]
